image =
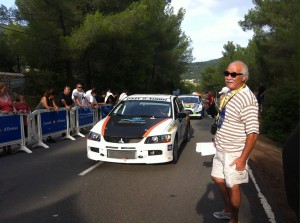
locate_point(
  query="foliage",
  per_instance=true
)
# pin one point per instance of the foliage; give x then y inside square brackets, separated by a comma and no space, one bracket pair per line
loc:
[194,69]
[119,44]
[272,58]
[277,44]
[139,45]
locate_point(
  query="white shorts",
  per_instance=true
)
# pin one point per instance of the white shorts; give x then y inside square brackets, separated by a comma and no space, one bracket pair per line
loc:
[222,169]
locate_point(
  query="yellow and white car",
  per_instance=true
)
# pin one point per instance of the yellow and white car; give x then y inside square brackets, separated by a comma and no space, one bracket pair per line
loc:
[141,128]
[193,105]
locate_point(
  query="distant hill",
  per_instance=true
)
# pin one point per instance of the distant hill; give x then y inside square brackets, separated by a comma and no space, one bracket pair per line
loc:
[195,68]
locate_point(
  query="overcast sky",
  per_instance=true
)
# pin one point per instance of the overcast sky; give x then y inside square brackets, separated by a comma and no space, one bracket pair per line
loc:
[212,23]
[209,23]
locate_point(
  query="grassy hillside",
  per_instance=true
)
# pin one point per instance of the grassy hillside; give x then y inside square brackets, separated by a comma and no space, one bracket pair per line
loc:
[195,68]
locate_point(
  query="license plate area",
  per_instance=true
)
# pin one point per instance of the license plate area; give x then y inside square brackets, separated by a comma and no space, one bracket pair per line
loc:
[121,154]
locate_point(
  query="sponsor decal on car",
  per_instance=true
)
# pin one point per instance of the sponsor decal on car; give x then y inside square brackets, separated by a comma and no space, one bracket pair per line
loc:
[147,98]
[149,130]
[136,120]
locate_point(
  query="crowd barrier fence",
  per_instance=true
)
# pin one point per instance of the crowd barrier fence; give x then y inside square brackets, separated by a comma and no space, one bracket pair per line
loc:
[43,123]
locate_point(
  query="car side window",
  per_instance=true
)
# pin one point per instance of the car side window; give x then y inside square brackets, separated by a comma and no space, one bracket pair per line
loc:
[178,107]
[175,107]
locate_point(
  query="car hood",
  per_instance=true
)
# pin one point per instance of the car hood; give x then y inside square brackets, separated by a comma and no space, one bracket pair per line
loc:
[131,126]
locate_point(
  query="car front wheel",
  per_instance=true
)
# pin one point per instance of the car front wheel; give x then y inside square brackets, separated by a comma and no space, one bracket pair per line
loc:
[188,133]
[175,151]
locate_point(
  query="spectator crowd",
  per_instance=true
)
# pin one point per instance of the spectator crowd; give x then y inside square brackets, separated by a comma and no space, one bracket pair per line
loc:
[50,100]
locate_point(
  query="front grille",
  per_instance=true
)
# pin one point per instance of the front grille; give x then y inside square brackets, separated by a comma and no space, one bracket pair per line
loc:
[121,154]
[121,139]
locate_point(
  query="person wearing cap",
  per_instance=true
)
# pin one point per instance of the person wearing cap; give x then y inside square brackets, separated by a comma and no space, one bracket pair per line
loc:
[237,132]
[222,93]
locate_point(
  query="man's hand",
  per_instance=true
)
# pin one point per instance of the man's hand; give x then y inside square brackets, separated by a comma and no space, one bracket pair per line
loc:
[240,164]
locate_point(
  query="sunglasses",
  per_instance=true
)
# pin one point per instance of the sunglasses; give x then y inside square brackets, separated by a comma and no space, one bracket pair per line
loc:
[233,74]
[79,87]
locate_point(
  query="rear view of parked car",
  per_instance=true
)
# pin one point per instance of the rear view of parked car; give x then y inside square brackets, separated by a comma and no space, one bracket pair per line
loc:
[193,105]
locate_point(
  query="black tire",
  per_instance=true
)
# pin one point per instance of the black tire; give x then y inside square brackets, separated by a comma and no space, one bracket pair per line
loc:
[175,151]
[188,133]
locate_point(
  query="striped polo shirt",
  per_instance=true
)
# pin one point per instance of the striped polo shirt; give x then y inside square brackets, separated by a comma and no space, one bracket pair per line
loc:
[238,119]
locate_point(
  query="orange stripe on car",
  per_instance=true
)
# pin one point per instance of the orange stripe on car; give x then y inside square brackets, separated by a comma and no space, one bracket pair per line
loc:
[149,130]
[104,125]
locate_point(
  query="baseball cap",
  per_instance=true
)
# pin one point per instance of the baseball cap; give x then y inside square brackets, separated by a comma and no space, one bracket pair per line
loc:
[224,90]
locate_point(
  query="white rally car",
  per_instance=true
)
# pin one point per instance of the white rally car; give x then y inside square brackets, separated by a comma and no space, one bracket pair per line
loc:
[140,129]
[193,105]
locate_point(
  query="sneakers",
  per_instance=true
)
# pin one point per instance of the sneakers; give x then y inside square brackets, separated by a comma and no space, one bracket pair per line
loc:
[222,215]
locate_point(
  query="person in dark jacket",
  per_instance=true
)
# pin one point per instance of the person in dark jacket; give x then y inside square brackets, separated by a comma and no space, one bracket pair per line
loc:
[290,158]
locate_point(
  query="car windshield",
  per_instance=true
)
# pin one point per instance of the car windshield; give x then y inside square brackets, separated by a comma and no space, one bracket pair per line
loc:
[190,99]
[144,108]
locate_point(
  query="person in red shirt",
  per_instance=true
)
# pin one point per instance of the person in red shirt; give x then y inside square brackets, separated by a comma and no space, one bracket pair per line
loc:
[211,106]
[22,107]
[6,106]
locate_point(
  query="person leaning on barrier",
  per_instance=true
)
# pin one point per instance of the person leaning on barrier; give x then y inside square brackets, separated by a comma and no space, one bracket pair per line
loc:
[101,98]
[91,98]
[64,99]
[48,102]
[237,132]
[6,107]
[78,95]
[123,95]
[22,107]
[6,104]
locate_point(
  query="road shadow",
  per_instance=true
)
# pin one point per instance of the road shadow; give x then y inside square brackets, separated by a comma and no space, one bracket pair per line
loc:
[209,203]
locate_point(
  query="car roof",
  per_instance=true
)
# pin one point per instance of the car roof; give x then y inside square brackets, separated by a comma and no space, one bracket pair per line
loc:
[151,97]
[189,95]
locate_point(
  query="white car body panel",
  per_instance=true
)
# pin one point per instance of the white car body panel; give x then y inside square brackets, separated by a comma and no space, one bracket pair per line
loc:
[137,151]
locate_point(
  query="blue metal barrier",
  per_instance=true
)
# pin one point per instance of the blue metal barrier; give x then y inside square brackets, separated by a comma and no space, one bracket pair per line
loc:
[82,118]
[12,131]
[43,123]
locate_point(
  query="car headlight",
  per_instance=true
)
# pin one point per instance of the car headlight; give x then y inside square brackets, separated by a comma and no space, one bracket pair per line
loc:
[94,136]
[158,139]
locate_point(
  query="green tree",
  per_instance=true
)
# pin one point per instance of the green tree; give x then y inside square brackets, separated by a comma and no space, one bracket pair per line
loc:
[142,45]
[119,44]
[275,24]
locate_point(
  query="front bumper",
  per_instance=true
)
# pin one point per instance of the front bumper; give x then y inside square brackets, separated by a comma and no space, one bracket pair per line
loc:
[129,152]
[193,113]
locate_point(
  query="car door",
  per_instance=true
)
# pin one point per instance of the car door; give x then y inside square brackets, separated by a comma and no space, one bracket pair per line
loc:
[180,122]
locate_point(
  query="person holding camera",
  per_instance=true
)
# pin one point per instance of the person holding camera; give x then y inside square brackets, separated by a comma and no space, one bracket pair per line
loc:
[236,133]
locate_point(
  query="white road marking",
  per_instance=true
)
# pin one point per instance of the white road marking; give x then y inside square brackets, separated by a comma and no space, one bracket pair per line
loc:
[263,200]
[90,169]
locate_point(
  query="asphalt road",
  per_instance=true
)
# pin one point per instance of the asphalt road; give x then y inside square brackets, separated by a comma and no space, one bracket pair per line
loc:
[60,184]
